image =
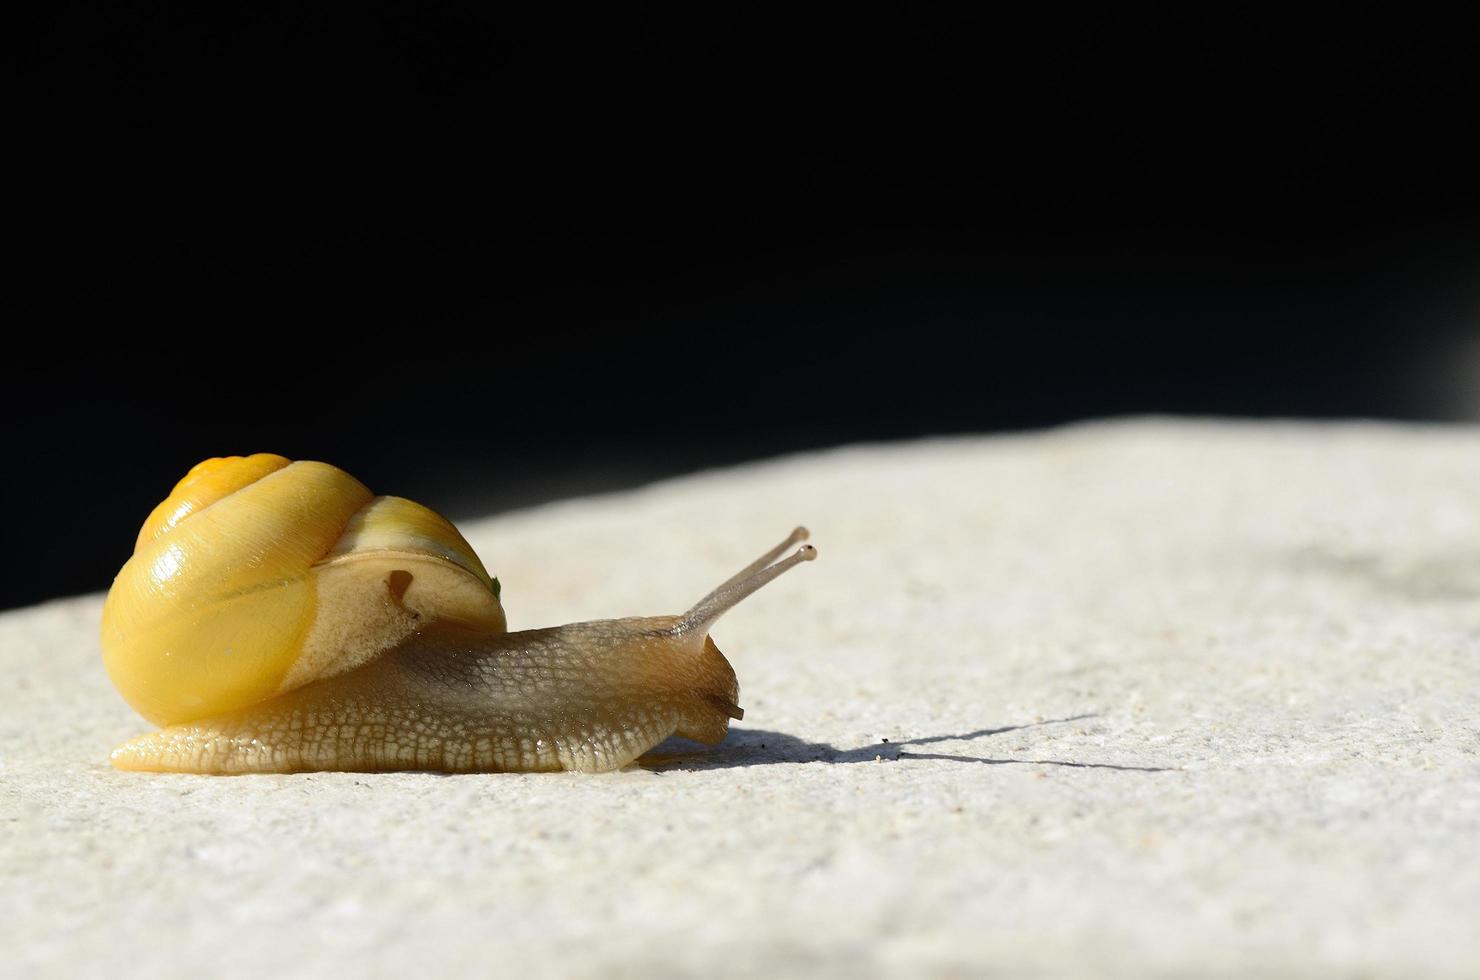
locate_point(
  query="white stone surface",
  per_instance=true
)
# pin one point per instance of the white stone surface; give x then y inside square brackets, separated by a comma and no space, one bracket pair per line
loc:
[1161,698]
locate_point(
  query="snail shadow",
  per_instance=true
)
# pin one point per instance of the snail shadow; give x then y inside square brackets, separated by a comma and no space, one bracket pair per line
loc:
[759,747]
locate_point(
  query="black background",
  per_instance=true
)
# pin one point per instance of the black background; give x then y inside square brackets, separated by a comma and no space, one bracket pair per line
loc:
[484,257]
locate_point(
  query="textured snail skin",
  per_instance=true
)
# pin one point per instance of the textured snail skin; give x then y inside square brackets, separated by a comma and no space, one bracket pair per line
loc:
[278,617]
[588,697]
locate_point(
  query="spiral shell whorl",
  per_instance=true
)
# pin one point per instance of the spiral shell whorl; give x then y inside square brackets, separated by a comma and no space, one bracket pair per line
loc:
[258,575]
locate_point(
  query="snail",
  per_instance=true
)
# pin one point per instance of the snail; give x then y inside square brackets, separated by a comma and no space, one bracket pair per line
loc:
[277,616]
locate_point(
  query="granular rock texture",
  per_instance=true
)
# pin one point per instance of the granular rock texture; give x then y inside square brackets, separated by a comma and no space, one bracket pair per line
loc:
[1143,698]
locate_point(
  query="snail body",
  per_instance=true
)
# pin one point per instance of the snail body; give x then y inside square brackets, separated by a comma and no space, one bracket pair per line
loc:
[278,617]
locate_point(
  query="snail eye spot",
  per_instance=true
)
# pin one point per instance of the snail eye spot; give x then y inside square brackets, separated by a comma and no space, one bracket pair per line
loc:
[398,582]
